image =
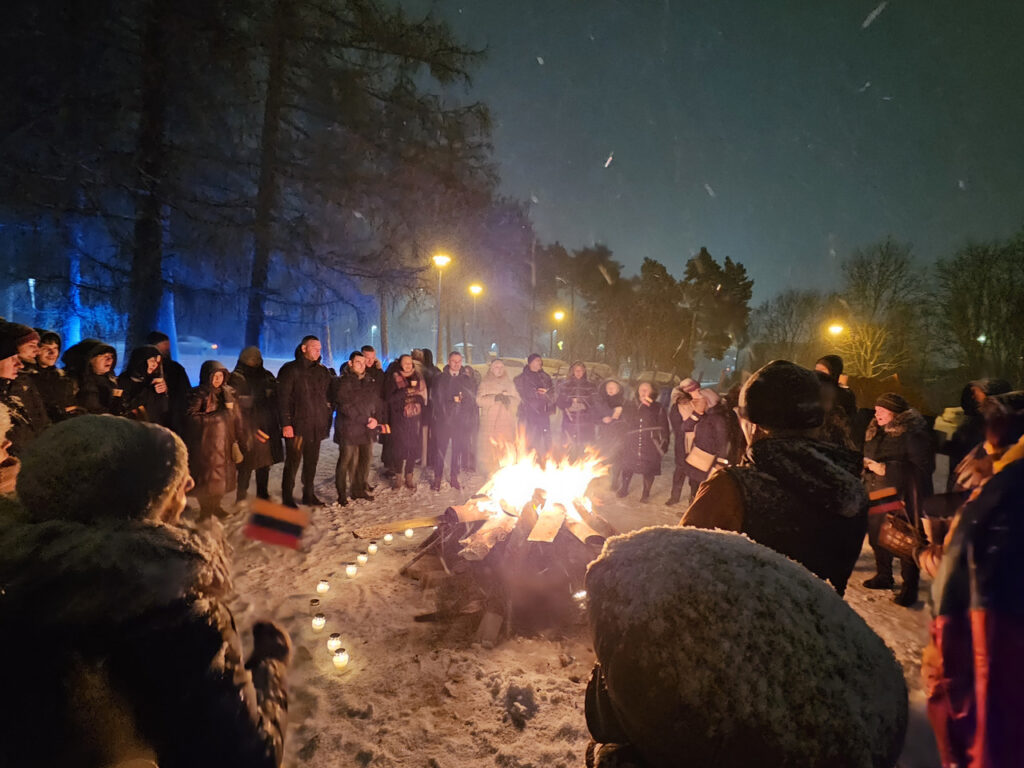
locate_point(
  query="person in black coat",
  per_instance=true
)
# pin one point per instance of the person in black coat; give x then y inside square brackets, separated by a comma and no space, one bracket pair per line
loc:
[406,395]
[701,430]
[56,388]
[359,409]
[897,454]
[645,439]
[213,450]
[178,385]
[454,410]
[611,427]
[259,431]
[577,398]
[118,638]
[303,398]
[971,432]
[92,362]
[535,405]
[142,382]
[22,388]
[832,366]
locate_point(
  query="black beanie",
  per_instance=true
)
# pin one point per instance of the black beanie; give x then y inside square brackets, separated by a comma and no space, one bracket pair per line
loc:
[783,395]
[532,357]
[834,363]
[100,467]
[12,336]
[892,402]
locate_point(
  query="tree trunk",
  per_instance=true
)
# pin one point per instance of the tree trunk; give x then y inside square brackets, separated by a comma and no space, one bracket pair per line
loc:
[168,322]
[266,196]
[146,285]
[383,324]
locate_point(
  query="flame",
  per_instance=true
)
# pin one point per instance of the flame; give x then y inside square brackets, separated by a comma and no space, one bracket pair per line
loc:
[562,482]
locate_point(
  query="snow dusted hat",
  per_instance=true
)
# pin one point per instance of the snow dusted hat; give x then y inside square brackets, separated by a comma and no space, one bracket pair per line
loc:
[783,395]
[101,467]
[892,401]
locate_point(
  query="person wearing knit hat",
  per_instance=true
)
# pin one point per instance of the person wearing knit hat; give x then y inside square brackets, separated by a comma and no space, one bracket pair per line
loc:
[898,455]
[110,599]
[535,405]
[796,494]
[22,401]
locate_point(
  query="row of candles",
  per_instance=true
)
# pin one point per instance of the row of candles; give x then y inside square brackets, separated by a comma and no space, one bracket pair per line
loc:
[339,655]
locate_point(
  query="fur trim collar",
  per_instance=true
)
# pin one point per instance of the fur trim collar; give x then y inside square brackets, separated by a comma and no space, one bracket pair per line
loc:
[909,421]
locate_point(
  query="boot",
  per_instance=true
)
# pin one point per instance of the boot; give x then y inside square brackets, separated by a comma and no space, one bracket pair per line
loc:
[646,495]
[672,500]
[879,581]
[435,484]
[907,596]
[454,480]
[311,500]
[410,481]
[288,501]
[623,491]
[396,482]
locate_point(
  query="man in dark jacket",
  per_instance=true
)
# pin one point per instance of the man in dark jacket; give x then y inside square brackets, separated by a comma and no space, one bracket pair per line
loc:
[303,398]
[832,366]
[535,405]
[798,495]
[453,401]
[55,386]
[358,405]
[136,656]
[260,440]
[23,388]
[178,385]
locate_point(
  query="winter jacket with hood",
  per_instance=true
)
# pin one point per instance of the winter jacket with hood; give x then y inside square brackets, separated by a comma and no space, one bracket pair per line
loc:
[97,393]
[904,446]
[356,400]
[212,431]
[798,496]
[58,391]
[255,391]
[124,648]
[498,399]
[139,399]
[303,397]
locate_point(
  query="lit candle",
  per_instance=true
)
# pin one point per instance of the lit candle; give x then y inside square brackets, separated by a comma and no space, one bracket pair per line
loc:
[372,548]
[580,596]
[350,570]
[314,607]
[409,533]
[361,558]
[388,538]
[340,658]
[319,622]
[322,586]
[334,642]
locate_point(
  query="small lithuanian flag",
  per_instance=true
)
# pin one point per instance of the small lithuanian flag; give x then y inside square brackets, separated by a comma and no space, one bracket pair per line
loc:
[276,523]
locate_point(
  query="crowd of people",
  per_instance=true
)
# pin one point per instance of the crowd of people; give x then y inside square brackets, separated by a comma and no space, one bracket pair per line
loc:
[788,458]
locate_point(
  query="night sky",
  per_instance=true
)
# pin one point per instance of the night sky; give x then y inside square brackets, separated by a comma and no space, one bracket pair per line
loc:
[783,134]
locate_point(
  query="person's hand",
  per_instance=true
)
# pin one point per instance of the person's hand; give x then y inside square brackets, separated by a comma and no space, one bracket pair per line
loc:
[372,423]
[607,419]
[875,466]
[288,433]
[160,386]
[646,400]
[974,470]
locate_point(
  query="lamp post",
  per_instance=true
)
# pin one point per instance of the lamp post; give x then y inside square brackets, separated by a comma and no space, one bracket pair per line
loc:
[474,290]
[559,317]
[836,328]
[373,330]
[441,260]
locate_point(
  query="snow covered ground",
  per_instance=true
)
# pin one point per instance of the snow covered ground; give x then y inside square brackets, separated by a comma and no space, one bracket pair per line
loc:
[422,694]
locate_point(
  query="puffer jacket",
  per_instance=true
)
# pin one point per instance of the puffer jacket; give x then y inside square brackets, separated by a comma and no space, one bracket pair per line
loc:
[213,430]
[119,644]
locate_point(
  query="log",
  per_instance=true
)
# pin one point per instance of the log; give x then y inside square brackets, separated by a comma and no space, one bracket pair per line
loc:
[548,524]
[376,531]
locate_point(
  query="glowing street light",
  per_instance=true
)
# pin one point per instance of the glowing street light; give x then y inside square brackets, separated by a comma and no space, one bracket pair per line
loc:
[559,316]
[441,260]
[982,339]
[835,329]
[474,290]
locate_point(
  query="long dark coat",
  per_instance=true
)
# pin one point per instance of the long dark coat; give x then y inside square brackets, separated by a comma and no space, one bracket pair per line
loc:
[256,394]
[140,400]
[58,391]
[904,445]
[179,389]
[405,411]
[212,431]
[534,408]
[449,415]
[646,438]
[117,639]
[24,388]
[304,398]
[356,401]
[97,393]
[610,436]
[578,400]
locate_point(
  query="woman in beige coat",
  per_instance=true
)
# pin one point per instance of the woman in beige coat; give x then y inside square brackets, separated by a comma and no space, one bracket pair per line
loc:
[498,401]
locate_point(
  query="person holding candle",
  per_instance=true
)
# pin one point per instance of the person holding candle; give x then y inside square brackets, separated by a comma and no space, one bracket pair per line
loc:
[125,647]
[145,390]
[535,405]
[406,395]
[453,394]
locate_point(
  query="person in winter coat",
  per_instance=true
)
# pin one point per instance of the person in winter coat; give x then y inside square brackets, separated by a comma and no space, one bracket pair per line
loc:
[259,437]
[498,399]
[303,398]
[645,440]
[406,394]
[897,454]
[576,397]
[611,427]
[179,388]
[213,439]
[797,494]
[535,406]
[359,408]
[142,382]
[20,392]
[56,388]
[9,465]
[453,406]
[972,668]
[836,427]
[18,424]
[971,433]
[94,362]
[705,443]
[117,630]
[832,366]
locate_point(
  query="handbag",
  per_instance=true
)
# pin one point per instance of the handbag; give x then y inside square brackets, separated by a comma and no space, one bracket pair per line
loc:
[898,534]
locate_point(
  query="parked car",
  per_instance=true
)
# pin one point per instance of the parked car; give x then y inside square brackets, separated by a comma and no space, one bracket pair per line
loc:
[194,345]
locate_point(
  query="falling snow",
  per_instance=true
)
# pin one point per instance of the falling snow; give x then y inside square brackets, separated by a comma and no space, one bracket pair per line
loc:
[874,15]
[709,190]
[609,160]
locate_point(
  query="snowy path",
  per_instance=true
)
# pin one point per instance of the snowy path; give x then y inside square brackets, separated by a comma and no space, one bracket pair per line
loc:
[421,694]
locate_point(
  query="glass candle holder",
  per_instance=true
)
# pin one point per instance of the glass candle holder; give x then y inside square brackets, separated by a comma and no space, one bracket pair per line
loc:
[319,622]
[372,548]
[314,606]
[351,570]
[334,642]
[322,586]
[362,558]
[409,533]
[388,538]
[340,658]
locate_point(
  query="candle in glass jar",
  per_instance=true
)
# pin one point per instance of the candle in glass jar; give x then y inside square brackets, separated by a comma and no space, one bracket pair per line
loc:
[322,586]
[409,533]
[319,622]
[351,570]
[340,658]
[334,642]
[388,538]
[372,548]
[314,606]
[361,558]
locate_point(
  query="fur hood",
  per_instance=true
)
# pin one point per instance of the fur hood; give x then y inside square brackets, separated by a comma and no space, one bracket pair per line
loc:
[69,575]
[908,421]
[824,475]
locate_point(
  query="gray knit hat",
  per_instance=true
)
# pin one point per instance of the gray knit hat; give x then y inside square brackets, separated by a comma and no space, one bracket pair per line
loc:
[101,467]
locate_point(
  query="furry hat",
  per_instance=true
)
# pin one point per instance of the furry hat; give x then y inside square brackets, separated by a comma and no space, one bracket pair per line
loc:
[101,467]
[892,401]
[783,395]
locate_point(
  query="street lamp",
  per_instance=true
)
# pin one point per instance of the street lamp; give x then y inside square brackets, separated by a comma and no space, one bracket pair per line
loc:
[441,260]
[474,290]
[373,330]
[559,317]
[835,329]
